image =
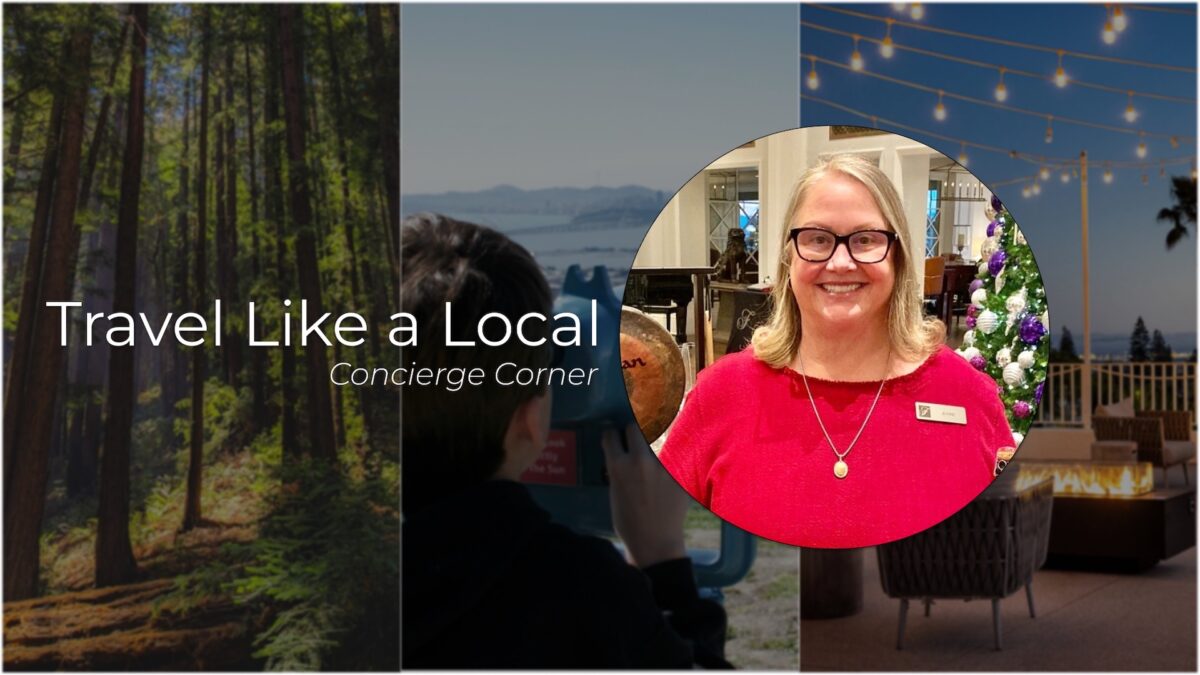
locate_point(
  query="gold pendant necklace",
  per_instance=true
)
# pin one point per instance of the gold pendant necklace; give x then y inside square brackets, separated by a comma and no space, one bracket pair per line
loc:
[840,468]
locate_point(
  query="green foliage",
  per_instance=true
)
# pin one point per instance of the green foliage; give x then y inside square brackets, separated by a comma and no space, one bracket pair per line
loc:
[328,555]
[1008,337]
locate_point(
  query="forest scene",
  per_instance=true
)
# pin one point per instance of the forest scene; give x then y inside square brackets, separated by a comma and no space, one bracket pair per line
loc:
[172,507]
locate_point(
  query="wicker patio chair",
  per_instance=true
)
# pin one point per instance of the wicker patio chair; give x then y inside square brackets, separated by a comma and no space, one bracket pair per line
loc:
[1163,437]
[989,550]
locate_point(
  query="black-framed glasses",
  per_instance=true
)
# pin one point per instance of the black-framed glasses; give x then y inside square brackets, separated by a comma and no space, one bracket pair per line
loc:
[865,246]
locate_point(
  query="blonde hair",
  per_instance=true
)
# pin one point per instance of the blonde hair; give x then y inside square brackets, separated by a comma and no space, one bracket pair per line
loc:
[912,335]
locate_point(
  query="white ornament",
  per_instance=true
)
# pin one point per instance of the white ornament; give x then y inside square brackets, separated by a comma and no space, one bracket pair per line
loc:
[979,297]
[983,268]
[1004,357]
[1018,237]
[1025,359]
[1045,319]
[988,247]
[987,322]
[1014,374]
[1000,279]
[969,353]
[969,338]
[1017,438]
[1015,303]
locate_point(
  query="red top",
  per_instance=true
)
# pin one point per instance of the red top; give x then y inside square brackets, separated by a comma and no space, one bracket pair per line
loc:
[747,446]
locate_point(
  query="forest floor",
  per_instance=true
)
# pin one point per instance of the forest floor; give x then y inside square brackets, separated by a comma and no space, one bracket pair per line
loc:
[764,607]
[146,624]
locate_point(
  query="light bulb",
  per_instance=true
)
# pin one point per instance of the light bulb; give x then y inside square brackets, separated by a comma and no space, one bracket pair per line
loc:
[1141,150]
[1060,77]
[1131,114]
[1108,35]
[1193,173]
[1145,179]
[1044,173]
[1119,21]
[856,61]
[899,6]
[813,80]
[1001,92]
[1037,188]
[1025,191]
[962,158]
[1065,177]
[1049,134]
[939,112]
[917,12]
[1108,176]
[886,48]
[1174,142]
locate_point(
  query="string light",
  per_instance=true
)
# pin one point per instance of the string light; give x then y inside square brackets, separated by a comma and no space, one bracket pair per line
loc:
[1001,90]
[1108,174]
[939,110]
[1131,114]
[962,154]
[813,80]
[899,6]
[1141,149]
[1109,34]
[1193,171]
[1044,173]
[1174,142]
[917,12]
[1060,76]
[1050,128]
[1037,188]
[887,48]
[1145,179]
[1119,19]
[1025,191]
[856,60]
[1065,177]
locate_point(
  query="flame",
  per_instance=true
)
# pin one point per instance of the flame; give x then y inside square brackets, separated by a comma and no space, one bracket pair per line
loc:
[1098,479]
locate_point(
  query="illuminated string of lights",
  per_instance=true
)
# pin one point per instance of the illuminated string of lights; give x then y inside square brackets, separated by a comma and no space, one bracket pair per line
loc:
[940,112]
[1005,42]
[1045,162]
[1002,69]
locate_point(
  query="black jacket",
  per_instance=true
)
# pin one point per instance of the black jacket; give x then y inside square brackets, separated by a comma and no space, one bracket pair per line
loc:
[489,582]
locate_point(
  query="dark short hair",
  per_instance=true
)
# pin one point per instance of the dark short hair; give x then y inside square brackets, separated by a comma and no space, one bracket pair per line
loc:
[453,439]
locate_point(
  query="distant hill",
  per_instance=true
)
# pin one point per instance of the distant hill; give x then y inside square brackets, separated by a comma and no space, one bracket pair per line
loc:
[568,202]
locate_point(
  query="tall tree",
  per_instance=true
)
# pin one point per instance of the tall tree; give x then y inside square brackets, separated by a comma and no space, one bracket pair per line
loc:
[258,357]
[28,457]
[320,410]
[1139,342]
[1160,351]
[229,245]
[114,553]
[191,505]
[387,103]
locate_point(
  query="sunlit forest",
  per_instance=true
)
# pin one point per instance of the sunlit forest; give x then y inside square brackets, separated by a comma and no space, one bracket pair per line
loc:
[213,507]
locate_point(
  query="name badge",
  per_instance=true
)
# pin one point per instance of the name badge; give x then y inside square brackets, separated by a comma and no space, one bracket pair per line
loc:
[934,412]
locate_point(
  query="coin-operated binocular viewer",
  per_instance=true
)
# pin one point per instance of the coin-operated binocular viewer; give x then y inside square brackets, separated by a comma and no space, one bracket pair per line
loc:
[569,478]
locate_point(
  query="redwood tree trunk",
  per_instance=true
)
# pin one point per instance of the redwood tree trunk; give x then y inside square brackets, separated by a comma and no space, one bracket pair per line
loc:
[191,506]
[28,457]
[114,554]
[320,410]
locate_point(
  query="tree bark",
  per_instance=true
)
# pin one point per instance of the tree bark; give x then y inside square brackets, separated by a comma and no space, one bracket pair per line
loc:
[320,411]
[258,357]
[229,293]
[28,457]
[114,553]
[387,102]
[191,507]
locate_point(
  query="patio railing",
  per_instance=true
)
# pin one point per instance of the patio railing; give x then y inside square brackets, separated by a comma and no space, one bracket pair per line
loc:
[1153,386]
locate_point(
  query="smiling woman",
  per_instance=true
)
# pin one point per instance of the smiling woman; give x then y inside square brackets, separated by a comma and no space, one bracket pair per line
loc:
[847,422]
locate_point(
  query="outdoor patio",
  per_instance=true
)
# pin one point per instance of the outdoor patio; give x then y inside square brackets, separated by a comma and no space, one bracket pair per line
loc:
[1085,621]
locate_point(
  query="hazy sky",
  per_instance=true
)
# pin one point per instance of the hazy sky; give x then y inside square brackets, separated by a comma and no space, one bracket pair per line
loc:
[581,95]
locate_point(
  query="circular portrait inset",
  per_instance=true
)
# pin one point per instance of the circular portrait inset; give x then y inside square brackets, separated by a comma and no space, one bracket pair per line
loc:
[867,329]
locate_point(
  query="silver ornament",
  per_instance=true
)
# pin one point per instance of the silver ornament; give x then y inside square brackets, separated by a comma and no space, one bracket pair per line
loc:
[1025,359]
[1015,303]
[979,297]
[987,322]
[1004,357]
[1014,374]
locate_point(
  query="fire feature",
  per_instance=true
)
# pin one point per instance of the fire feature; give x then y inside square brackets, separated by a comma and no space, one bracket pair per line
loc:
[1091,479]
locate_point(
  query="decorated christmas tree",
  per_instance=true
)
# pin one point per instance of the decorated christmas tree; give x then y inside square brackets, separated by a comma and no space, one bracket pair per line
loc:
[1007,335]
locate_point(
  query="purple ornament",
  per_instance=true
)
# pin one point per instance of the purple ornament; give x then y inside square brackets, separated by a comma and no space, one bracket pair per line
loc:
[1021,409]
[1031,330]
[975,285]
[997,206]
[996,262]
[1037,393]
[971,310]
[991,229]
[978,362]
[971,322]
